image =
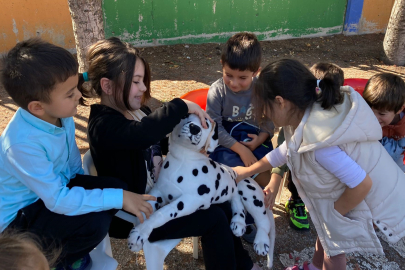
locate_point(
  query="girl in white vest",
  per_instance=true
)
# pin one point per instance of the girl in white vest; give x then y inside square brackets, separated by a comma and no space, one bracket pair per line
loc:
[343,174]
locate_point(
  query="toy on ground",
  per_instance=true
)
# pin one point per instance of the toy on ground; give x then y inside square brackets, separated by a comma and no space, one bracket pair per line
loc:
[190,181]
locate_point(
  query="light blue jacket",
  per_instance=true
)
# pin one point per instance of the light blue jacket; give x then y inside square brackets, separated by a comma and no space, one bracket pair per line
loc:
[37,161]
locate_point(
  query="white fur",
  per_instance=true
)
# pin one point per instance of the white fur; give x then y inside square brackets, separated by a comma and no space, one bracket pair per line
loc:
[190,181]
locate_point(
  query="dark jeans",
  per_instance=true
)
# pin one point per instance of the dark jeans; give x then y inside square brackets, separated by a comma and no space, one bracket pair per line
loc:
[221,249]
[77,235]
[291,187]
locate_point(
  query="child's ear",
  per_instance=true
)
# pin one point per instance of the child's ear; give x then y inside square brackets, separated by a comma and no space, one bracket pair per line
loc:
[401,110]
[257,72]
[36,108]
[106,86]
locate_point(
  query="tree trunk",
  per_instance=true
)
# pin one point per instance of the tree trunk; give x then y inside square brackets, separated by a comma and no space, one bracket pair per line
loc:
[394,41]
[88,26]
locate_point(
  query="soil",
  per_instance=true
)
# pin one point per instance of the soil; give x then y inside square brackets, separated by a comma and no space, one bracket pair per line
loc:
[177,69]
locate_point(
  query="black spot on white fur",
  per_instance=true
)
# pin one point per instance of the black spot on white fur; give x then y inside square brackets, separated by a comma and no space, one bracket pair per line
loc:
[217,198]
[195,172]
[202,206]
[264,212]
[251,187]
[203,189]
[224,191]
[204,169]
[179,179]
[157,206]
[222,170]
[247,181]
[180,206]
[218,176]
[213,164]
[240,192]
[166,165]
[170,197]
[159,199]
[215,136]
[216,184]
[257,203]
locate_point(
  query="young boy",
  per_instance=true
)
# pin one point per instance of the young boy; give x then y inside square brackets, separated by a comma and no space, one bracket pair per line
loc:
[385,93]
[229,103]
[42,186]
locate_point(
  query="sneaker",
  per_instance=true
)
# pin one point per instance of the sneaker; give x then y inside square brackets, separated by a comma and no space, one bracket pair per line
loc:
[250,233]
[297,214]
[81,264]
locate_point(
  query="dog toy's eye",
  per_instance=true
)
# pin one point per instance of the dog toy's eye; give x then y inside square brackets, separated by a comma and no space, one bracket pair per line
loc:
[184,117]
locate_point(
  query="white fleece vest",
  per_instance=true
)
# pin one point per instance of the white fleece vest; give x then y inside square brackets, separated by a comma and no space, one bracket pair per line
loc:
[353,127]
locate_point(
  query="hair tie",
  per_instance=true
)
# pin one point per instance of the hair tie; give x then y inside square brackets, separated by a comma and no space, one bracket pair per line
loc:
[318,90]
[85,76]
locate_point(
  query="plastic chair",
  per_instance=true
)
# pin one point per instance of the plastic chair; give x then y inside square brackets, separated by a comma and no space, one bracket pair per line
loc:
[198,96]
[357,84]
[155,253]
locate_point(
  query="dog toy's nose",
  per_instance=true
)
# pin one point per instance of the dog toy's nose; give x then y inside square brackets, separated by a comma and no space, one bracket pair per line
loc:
[194,129]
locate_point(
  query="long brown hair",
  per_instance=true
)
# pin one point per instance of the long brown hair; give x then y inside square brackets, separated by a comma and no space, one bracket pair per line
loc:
[115,60]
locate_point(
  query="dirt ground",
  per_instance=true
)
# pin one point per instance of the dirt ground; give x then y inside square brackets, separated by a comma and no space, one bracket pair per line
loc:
[178,69]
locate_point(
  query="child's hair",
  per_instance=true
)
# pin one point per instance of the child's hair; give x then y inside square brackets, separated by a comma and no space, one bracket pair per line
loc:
[385,92]
[20,250]
[115,60]
[320,69]
[242,51]
[294,82]
[32,69]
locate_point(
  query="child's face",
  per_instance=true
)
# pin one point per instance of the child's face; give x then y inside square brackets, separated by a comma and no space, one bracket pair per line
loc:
[385,118]
[138,87]
[237,80]
[64,100]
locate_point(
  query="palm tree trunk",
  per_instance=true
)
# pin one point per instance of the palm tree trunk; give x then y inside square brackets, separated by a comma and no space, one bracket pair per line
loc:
[394,41]
[88,26]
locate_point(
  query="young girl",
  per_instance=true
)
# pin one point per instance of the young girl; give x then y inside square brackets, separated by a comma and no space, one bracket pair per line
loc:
[22,251]
[342,173]
[124,135]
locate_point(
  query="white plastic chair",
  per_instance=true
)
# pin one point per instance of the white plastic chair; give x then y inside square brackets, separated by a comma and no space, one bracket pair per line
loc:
[155,253]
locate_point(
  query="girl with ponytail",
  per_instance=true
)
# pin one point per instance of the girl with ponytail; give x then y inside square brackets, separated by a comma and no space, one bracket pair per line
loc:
[343,174]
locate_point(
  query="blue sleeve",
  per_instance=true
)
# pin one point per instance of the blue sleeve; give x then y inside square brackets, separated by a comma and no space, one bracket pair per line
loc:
[30,165]
[393,147]
[75,159]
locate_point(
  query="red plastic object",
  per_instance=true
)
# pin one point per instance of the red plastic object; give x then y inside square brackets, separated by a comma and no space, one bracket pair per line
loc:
[357,84]
[198,96]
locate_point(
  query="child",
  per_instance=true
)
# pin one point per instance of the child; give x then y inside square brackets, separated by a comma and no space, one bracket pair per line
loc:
[22,251]
[122,129]
[229,104]
[342,173]
[42,186]
[295,207]
[385,93]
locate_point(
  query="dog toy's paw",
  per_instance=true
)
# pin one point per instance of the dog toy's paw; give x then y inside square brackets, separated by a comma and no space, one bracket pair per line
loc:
[261,246]
[136,240]
[238,228]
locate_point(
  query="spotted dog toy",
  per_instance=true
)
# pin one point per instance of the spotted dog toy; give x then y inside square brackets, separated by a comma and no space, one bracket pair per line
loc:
[189,181]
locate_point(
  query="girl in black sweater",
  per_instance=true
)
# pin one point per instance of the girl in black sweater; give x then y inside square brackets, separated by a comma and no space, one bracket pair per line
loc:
[125,142]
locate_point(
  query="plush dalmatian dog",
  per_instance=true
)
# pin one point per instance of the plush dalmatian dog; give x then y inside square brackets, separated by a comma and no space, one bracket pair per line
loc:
[189,181]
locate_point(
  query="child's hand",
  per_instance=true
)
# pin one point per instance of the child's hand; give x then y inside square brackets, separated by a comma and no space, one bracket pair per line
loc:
[247,156]
[271,190]
[137,203]
[252,144]
[242,172]
[196,109]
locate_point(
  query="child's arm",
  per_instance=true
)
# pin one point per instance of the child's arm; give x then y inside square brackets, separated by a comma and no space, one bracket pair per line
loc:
[351,197]
[271,190]
[337,162]
[244,153]
[256,141]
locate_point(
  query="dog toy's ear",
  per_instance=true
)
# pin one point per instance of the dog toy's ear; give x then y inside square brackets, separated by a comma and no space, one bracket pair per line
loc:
[212,140]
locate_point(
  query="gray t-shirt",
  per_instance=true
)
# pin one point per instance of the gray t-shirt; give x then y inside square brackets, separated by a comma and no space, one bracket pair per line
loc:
[224,104]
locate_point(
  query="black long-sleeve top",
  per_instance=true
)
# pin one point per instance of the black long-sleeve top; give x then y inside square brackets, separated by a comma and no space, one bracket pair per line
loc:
[116,143]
